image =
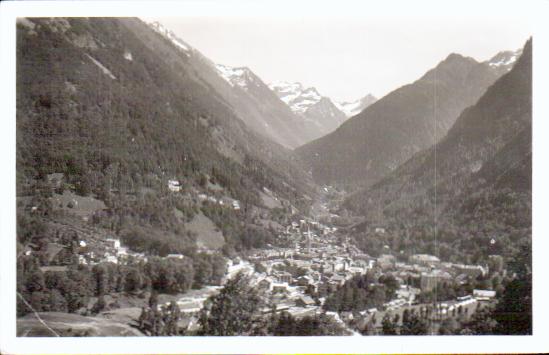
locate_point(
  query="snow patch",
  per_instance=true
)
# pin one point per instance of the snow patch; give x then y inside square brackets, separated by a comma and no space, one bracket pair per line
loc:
[156,26]
[298,98]
[504,59]
[102,67]
[241,77]
[128,56]
[353,108]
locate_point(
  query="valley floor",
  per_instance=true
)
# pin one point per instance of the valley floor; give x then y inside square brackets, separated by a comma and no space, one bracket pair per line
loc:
[318,259]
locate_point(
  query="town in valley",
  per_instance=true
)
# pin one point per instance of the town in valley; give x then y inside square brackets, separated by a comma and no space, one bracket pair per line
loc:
[160,193]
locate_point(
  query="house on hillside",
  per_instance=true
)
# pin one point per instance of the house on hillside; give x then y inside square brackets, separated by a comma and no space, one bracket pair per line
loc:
[236,205]
[484,295]
[174,185]
[113,243]
[175,256]
[380,230]
[202,197]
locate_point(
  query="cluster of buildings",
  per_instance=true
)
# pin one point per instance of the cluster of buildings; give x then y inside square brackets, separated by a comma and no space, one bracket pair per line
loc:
[110,250]
[175,186]
[222,201]
[428,271]
[320,260]
[318,253]
[317,262]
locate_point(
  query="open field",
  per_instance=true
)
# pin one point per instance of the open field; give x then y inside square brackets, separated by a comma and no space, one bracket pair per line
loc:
[66,324]
[208,235]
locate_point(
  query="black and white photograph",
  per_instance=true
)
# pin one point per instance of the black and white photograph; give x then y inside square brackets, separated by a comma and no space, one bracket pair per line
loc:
[238,174]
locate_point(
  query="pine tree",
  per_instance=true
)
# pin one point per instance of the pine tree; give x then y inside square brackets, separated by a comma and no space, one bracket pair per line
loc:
[233,311]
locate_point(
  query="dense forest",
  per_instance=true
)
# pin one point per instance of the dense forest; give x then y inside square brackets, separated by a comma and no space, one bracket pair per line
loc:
[108,111]
[120,137]
[69,290]
[362,292]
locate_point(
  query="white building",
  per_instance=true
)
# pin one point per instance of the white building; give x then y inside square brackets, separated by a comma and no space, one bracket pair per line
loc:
[484,295]
[111,258]
[174,256]
[114,242]
[174,185]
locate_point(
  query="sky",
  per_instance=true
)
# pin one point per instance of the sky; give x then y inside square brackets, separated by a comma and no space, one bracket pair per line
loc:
[346,56]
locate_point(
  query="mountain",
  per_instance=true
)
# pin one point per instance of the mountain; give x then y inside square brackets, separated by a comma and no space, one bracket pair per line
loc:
[172,37]
[353,108]
[318,112]
[470,194]
[411,118]
[119,110]
[248,96]
[502,62]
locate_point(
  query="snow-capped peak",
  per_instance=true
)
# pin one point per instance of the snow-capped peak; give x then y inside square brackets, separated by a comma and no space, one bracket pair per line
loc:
[504,60]
[158,27]
[241,76]
[298,98]
[353,108]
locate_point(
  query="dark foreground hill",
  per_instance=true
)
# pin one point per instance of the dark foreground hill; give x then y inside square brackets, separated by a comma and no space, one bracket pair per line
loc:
[127,154]
[111,102]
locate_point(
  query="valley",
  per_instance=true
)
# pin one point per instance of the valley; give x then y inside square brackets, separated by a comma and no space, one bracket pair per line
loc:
[161,194]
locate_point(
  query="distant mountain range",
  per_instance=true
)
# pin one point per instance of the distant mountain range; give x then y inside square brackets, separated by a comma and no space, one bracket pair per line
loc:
[388,132]
[503,61]
[298,116]
[320,111]
[249,97]
[353,108]
[315,109]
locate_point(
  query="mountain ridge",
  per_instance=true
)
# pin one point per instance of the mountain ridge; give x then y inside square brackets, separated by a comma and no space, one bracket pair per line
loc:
[247,95]
[474,185]
[306,102]
[150,112]
[371,144]
[352,108]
